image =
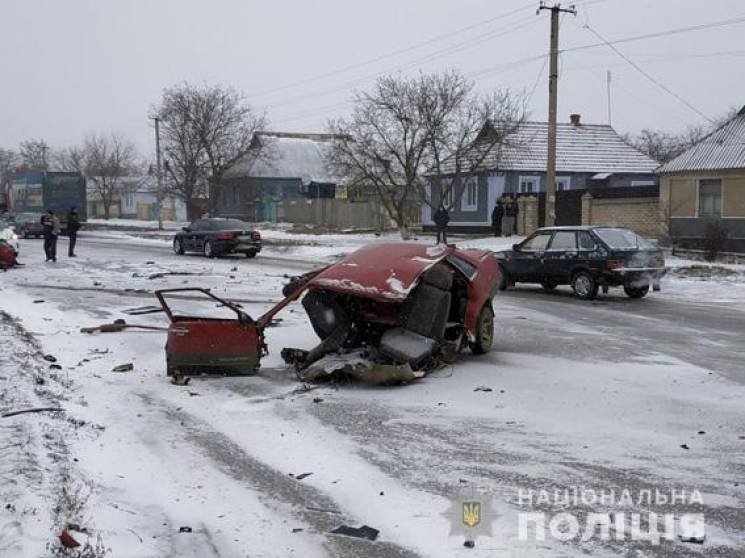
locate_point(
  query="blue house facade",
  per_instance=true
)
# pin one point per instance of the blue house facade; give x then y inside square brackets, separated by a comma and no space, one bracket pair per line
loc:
[589,156]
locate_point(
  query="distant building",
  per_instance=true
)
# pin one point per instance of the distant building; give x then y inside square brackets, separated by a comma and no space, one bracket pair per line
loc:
[588,156]
[280,166]
[136,197]
[706,185]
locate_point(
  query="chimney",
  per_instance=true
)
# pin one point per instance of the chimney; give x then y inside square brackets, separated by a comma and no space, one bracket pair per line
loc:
[574,119]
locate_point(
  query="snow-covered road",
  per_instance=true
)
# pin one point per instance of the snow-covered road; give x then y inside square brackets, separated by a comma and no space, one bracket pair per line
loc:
[595,395]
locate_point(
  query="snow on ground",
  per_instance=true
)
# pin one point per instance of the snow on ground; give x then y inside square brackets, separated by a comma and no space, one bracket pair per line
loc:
[579,397]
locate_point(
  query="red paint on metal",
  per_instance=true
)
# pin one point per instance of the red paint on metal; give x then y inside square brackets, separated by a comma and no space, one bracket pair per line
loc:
[383,272]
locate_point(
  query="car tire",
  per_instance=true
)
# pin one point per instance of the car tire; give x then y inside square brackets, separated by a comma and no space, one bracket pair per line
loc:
[548,286]
[484,331]
[504,281]
[636,292]
[584,285]
[209,252]
[178,247]
[251,254]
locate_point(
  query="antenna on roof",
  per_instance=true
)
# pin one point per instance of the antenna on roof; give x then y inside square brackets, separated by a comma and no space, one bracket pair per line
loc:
[608,80]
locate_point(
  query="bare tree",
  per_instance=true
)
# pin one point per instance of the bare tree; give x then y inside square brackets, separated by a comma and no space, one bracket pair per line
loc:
[69,159]
[207,130]
[8,164]
[405,130]
[107,158]
[34,155]
[665,146]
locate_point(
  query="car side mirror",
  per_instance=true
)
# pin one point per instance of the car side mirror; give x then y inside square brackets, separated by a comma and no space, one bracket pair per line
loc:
[186,229]
[515,247]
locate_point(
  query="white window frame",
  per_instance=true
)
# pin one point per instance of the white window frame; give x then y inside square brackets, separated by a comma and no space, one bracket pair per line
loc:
[532,178]
[472,184]
[563,183]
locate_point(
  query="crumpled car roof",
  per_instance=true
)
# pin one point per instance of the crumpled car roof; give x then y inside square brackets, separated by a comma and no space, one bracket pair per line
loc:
[386,272]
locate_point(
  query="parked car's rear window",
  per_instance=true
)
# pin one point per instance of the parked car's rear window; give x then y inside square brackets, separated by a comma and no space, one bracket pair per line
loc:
[622,239]
[228,225]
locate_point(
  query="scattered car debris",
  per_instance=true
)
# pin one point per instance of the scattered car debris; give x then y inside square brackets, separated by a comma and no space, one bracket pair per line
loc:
[55,367]
[684,446]
[167,273]
[483,388]
[469,544]
[140,310]
[317,400]
[39,301]
[50,358]
[301,476]
[297,529]
[34,410]
[185,529]
[179,380]
[67,540]
[128,367]
[119,325]
[364,532]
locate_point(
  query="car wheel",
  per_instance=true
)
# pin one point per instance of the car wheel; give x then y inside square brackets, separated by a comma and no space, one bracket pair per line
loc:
[178,247]
[251,254]
[504,281]
[484,331]
[636,292]
[208,250]
[584,285]
[548,286]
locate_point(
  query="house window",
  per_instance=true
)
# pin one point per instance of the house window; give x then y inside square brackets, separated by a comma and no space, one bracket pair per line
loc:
[469,201]
[563,183]
[446,195]
[529,184]
[710,198]
[643,183]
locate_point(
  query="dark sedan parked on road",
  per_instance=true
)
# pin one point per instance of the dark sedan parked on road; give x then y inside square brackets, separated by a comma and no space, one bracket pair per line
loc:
[217,236]
[28,224]
[585,258]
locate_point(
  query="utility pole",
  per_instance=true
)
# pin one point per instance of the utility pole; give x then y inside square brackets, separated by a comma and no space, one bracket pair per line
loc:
[158,173]
[608,82]
[553,78]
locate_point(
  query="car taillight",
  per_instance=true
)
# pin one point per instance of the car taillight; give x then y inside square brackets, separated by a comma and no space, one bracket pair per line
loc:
[226,235]
[256,235]
[613,264]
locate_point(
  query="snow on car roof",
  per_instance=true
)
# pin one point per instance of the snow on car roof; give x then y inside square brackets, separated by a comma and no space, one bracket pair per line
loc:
[385,272]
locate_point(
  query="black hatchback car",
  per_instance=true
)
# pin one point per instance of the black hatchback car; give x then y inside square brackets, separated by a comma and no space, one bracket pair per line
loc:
[217,236]
[586,258]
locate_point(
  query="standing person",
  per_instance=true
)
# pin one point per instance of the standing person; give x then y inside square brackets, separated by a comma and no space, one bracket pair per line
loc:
[496,217]
[51,225]
[516,211]
[508,221]
[73,226]
[441,219]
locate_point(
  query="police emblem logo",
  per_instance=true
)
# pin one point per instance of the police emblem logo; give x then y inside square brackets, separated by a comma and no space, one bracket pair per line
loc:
[471,513]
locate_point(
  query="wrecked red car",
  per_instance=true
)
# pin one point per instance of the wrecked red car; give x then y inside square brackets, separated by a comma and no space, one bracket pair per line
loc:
[385,313]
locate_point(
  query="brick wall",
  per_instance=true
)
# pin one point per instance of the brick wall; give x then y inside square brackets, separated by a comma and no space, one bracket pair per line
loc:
[642,215]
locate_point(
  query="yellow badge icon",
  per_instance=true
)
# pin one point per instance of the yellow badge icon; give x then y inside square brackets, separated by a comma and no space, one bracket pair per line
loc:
[471,513]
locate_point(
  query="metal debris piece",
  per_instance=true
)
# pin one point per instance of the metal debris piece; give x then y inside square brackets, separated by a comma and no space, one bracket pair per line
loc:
[179,380]
[301,476]
[128,367]
[34,410]
[364,532]
[185,529]
[483,388]
[140,310]
[67,540]
[50,358]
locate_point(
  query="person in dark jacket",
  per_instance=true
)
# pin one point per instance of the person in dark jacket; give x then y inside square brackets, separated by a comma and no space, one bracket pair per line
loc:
[73,226]
[51,225]
[441,219]
[510,216]
[496,218]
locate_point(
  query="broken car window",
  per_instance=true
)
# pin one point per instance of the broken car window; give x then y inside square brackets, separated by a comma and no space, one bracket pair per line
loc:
[463,266]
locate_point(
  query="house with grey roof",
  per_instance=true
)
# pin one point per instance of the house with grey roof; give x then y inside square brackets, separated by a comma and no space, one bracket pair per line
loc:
[280,165]
[703,189]
[588,156]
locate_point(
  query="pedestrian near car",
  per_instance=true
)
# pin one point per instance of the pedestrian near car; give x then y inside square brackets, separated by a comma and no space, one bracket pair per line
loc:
[441,219]
[51,225]
[510,214]
[73,226]
[496,218]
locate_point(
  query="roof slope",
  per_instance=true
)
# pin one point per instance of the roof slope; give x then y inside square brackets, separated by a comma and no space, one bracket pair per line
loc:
[288,155]
[582,148]
[723,149]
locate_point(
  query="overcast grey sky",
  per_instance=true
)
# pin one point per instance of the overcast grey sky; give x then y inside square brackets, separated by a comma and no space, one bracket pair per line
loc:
[73,67]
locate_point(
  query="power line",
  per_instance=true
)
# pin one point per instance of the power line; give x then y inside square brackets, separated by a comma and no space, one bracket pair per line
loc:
[392,54]
[677,31]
